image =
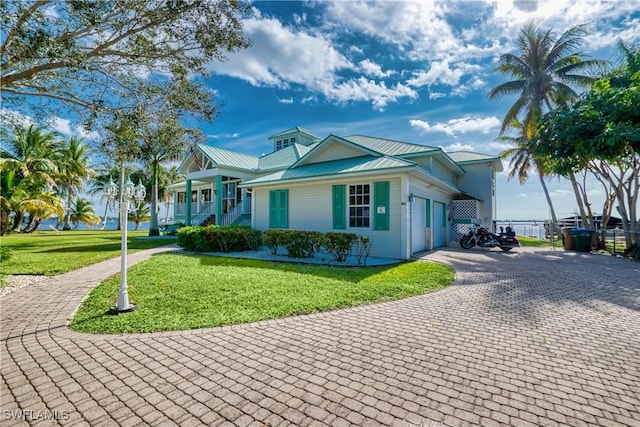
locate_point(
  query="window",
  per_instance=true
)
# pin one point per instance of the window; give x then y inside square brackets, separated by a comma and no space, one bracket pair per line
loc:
[205,195]
[292,140]
[359,205]
[278,145]
[182,197]
[285,142]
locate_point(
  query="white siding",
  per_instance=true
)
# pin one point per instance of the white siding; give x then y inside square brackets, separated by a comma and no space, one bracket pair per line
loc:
[439,170]
[478,183]
[310,208]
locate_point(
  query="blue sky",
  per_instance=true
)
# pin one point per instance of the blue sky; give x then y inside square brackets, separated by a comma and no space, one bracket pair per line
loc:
[412,71]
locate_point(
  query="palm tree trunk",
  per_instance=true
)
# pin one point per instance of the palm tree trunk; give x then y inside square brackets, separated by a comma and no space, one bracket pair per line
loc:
[17,221]
[554,218]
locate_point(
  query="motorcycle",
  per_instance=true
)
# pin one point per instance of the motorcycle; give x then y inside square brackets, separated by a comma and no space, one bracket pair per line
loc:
[482,237]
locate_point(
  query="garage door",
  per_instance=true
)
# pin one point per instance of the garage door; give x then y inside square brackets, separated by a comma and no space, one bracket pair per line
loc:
[418,225]
[438,228]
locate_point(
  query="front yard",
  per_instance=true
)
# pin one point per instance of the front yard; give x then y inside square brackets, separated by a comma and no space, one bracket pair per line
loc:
[178,292]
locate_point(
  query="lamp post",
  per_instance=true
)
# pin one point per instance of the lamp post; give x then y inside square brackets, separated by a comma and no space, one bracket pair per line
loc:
[128,192]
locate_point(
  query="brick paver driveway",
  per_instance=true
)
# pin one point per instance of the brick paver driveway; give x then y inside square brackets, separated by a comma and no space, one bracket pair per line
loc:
[532,337]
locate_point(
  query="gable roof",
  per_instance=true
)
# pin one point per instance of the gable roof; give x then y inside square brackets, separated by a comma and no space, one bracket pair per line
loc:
[469,157]
[319,148]
[337,167]
[389,147]
[222,157]
[284,157]
[295,129]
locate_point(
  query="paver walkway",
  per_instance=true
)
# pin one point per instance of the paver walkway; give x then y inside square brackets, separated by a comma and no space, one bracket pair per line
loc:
[531,337]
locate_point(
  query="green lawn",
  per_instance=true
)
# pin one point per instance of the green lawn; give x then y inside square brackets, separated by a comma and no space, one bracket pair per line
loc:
[532,241]
[179,292]
[48,253]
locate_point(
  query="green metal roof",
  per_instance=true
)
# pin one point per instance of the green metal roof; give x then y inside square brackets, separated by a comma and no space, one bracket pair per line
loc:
[223,157]
[283,158]
[296,129]
[336,167]
[468,157]
[389,147]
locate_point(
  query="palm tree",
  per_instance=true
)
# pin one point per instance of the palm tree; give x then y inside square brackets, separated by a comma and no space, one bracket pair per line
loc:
[160,144]
[29,163]
[73,167]
[544,72]
[168,175]
[522,161]
[82,211]
[140,215]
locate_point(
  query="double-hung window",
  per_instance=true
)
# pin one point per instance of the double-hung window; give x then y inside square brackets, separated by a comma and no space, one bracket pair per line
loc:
[359,206]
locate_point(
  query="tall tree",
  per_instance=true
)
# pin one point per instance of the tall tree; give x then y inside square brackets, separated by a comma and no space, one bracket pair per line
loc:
[96,56]
[168,176]
[544,71]
[28,162]
[600,132]
[73,169]
[522,162]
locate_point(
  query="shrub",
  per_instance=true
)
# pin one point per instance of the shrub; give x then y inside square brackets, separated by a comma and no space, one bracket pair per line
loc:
[187,237]
[302,244]
[362,249]
[5,253]
[339,244]
[272,239]
[212,238]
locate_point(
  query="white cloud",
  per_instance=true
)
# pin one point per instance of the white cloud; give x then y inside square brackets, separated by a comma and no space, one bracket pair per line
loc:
[363,89]
[286,100]
[457,146]
[280,56]
[436,95]
[370,68]
[475,83]
[458,126]
[64,127]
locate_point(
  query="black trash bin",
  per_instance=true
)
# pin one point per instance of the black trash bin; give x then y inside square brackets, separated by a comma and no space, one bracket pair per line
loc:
[568,242]
[583,238]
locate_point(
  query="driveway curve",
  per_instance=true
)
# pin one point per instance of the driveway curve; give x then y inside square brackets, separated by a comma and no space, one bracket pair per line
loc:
[526,338]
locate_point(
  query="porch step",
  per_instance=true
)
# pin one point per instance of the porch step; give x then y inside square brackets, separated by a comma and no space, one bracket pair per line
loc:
[243,220]
[211,220]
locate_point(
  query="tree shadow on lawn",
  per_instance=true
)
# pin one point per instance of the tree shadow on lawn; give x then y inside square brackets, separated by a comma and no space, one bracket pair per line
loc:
[351,274]
[533,286]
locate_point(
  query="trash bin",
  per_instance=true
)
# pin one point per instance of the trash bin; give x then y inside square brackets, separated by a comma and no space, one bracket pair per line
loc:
[568,242]
[583,238]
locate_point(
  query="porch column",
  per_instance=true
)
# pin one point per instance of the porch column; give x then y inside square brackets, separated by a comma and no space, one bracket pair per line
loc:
[243,192]
[218,199]
[188,213]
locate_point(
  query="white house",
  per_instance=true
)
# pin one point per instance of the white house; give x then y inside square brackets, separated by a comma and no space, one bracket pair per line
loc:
[407,197]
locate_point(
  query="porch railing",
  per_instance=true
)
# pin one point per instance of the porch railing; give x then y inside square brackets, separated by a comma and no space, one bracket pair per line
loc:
[232,215]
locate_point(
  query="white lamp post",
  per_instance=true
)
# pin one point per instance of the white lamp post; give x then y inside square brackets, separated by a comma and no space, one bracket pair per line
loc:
[128,192]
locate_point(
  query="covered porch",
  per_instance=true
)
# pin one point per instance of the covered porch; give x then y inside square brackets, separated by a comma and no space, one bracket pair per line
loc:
[216,200]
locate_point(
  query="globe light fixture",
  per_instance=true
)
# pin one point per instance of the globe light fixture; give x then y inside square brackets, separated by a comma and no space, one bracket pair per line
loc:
[127,193]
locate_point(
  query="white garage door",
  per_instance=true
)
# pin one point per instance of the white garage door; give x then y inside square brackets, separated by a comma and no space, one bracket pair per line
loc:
[418,225]
[438,212]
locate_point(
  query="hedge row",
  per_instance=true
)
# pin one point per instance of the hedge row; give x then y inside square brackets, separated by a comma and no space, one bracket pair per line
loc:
[298,244]
[219,239]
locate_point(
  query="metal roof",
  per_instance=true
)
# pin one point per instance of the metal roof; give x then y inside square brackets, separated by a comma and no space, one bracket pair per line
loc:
[389,147]
[336,167]
[466,157]
[223,157]
[283,158]
[296,129]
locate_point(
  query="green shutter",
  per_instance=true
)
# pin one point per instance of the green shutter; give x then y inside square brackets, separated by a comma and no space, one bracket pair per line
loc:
[273,211]
[279,209]
[428,219]
[381,205]
[284,209]
[339,207]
